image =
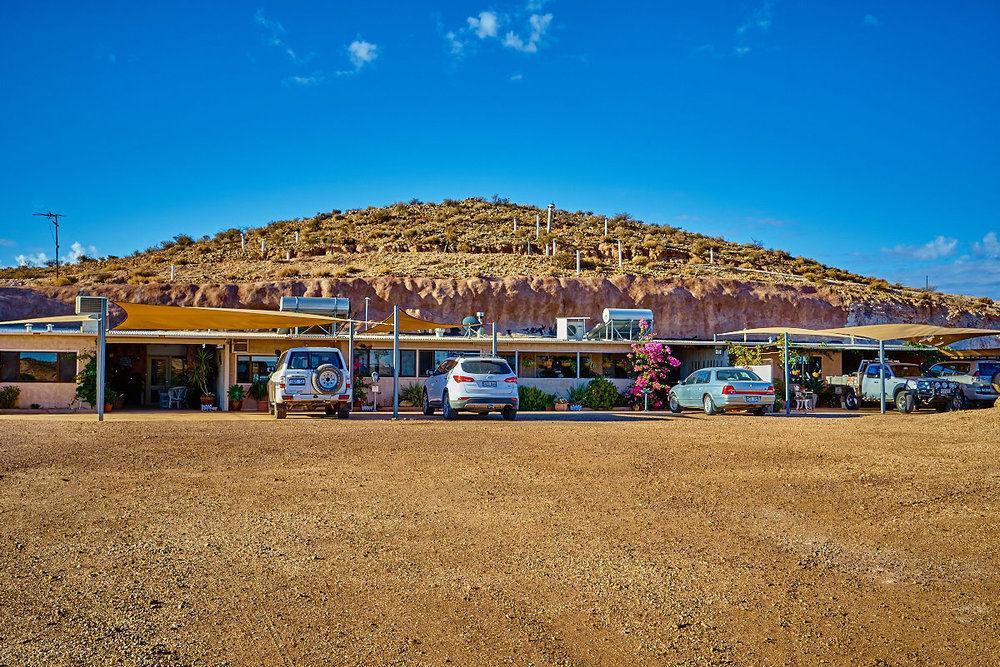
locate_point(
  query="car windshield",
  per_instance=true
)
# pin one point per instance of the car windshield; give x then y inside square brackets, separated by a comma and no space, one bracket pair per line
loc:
[905,370]
[304,361]
[737,375]
[486,367]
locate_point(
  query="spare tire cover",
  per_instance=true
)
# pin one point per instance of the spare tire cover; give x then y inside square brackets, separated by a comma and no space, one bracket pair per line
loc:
[326,379]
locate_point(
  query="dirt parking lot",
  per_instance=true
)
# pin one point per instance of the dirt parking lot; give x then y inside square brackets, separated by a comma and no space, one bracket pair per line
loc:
[664,540]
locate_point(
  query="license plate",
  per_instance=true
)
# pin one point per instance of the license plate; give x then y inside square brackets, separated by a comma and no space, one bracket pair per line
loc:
[489,383]
[753,399]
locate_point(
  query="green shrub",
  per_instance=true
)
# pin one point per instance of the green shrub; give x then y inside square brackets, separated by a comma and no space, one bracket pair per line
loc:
[533,398]
[600,394]
[412,393]
[8,397]
[577,394]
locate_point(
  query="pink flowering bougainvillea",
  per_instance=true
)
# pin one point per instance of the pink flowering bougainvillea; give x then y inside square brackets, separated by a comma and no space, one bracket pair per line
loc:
[651,362]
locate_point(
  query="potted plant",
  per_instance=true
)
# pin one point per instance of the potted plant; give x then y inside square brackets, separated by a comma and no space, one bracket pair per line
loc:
[201,372]
[236,394]
[110,399]
[258,392]
[577,396]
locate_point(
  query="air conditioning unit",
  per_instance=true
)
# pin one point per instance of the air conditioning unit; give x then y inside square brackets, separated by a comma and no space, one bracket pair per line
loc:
[241,346]
[571,328]
[91,305]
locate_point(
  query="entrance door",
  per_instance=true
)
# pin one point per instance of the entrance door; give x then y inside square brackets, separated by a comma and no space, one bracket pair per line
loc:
[163,372]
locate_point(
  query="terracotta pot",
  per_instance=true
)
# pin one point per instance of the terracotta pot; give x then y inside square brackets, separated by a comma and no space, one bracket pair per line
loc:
[108,407]
[262,406]
[207,399]
[236,406]
[562,407]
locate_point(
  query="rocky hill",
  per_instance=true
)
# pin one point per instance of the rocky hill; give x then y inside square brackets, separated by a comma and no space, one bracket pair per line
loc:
[449,259]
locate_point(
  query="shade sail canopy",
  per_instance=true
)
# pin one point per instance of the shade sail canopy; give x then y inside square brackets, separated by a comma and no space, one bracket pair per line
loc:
[926,334]
[54,319]
[778,331]
[408,323]
[970,354]
[141,316]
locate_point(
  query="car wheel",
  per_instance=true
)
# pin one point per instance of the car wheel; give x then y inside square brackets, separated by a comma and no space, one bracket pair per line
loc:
[280,411]
[710,408]
[329,410]
[674,404]
[447,411]
[851,400]
[904,402]
[344,412]
[960,402]
[947,406]
[509,413]
[427,409]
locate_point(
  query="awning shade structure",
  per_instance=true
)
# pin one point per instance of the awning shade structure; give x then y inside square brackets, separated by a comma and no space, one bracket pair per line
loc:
[926,334]
[779,330]
[408,323]
[970,354]
[141,316]
[54,319]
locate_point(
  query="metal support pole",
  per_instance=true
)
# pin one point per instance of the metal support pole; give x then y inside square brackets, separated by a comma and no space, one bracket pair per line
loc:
[395,362]
[578,364]
[881,373]
[102,344]
[350,362]
[494,339]
[788,381]
[367,299]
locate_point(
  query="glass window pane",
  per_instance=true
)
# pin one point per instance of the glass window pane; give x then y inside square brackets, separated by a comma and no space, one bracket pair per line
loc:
[38,367]
[8,366]
[408,363]
[320,358]
[486,367]
[426,358]
[67,367]
[243,370]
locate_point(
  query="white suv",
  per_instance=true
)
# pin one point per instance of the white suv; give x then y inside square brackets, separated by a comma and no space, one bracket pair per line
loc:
[310,378]
[473,384]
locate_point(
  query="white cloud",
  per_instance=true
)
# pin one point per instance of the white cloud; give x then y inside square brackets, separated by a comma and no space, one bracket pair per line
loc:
[485,25]
[362,53]
[936,248]
[34,259]
[302,80]
[274,38]
[539,24]
[78,250]
[6,243]
[759,20]
[741,51]
[988,247]
[516,77]
[455,45]
[268,24]
[871,20]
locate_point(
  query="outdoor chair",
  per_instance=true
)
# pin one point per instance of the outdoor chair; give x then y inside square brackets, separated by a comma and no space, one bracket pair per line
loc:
[176,397]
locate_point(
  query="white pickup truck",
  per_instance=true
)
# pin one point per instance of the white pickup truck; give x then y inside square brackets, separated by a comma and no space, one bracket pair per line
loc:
[906,387]
[310,378]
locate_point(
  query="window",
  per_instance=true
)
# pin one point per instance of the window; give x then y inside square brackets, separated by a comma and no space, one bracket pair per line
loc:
[615,366]
[987,369]
[485,367]
[37,367]
[250,368]
[702,377]
[548,365]
[380,361]
[736,375]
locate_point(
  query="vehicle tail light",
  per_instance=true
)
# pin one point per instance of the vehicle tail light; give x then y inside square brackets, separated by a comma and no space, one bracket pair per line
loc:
[770,389]
[344,397]
[510,379]
[281,385]
[462,378]
[728,389]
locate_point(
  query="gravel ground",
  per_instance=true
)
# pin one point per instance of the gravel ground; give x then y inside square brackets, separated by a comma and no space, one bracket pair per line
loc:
[671,540]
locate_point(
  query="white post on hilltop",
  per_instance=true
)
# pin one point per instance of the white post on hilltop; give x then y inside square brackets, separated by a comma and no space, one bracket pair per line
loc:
[288,255]
[553,246]
[577,262]
[619,253]
[263,244]
[605,226]
[243,241]
[548,222]
[515,224]
[296,236]
[538,225]
[173,272]
[711,255]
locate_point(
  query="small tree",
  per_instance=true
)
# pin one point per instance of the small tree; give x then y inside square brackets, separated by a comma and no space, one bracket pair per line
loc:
[651,363]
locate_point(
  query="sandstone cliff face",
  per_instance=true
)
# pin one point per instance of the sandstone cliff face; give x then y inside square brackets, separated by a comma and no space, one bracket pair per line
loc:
[683,308]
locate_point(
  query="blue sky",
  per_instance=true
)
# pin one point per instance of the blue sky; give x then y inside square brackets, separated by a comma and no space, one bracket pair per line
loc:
[863,134]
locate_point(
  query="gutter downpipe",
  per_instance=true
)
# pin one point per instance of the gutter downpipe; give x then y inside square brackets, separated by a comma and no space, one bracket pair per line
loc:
[788,385]
[395,362]
[881,372]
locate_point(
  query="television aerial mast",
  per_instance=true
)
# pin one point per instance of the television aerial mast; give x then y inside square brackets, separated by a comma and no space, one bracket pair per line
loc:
[54,219]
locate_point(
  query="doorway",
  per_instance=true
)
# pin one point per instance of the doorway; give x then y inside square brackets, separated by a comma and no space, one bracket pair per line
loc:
[162,373]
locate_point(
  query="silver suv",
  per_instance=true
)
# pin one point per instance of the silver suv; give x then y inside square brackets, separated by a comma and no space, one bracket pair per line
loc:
[310,378]
[975,377]
[472,384]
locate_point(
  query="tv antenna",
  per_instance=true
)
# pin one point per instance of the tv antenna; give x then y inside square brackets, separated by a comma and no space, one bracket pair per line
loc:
[54,219]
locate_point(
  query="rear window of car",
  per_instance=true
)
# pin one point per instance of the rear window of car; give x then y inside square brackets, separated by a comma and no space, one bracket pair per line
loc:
[486,367]
[904,370]
[304,361]
[988,369]
[737,375]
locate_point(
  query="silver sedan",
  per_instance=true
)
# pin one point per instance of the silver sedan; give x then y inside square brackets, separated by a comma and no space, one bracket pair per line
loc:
[717,389]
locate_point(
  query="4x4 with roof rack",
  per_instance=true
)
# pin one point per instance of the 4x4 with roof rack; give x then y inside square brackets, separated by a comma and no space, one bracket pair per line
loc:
[976,378]
[310,378]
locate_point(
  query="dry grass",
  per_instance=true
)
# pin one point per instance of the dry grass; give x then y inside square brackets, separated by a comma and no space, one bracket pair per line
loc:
[866,540]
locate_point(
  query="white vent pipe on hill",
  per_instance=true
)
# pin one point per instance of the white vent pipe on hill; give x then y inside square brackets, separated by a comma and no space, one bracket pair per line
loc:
[619,253]
[263,244]
[577,262]
[548,222]
[538,225]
